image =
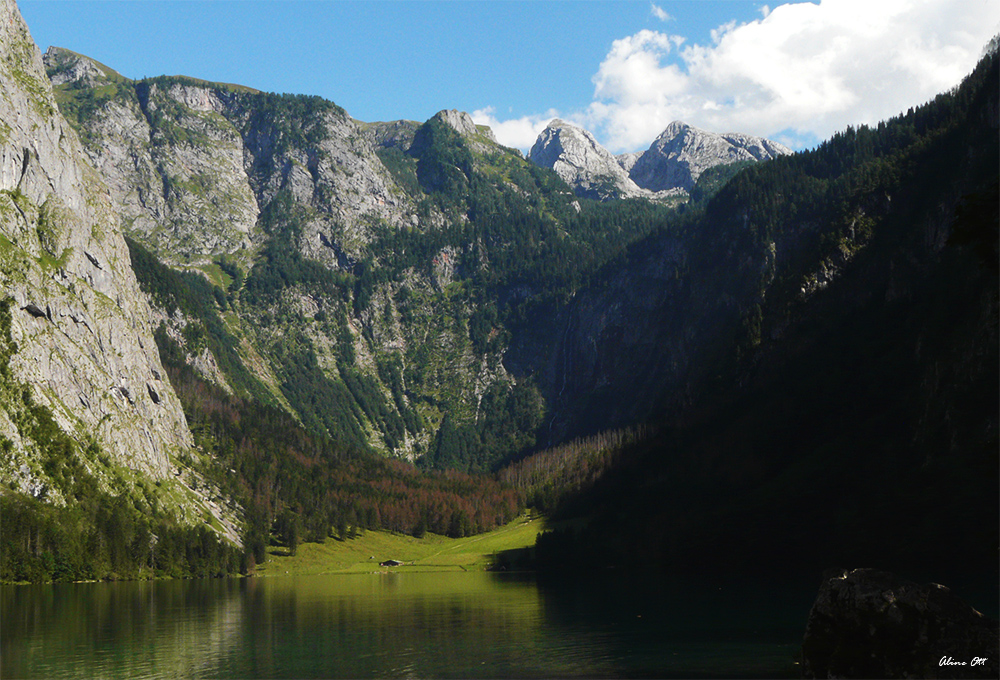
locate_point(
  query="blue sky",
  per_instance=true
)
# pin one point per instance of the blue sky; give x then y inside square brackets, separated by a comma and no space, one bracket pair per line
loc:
[622,69]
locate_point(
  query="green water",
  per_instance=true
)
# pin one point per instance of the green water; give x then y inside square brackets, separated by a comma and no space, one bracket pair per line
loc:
[412,625]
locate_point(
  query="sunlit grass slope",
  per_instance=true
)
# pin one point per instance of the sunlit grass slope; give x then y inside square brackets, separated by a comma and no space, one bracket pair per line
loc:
[431,553]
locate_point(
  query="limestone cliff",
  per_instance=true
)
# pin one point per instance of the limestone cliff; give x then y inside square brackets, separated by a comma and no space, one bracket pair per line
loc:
[668,170]
[681,153]
[81,329]
[582,162]
[192,162]
[82,325]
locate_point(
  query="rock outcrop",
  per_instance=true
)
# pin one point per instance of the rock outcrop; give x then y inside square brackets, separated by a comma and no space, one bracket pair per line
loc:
[681,153]
[627,160]
[667,170]
[582,162]
[870,624]
[463,124]
[192,163]
[80,323]
[171,160]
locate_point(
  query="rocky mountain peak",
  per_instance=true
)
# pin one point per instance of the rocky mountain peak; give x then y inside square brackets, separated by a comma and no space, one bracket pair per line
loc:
[462,123]
[65,66]
[679,155]
[675,129]
[668,169]
[581,162]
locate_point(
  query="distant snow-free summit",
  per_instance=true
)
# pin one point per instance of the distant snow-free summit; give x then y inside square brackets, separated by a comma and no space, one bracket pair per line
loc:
[669,168]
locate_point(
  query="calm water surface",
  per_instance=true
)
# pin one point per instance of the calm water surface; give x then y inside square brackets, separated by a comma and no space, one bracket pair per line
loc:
[412,625]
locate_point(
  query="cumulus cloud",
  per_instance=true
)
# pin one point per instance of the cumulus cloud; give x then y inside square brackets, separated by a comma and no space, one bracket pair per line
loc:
[798,74]
[802,70]
[519,133]
[659,13]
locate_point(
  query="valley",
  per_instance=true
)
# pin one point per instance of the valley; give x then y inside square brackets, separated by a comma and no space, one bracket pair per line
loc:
[244,333]
[432,553]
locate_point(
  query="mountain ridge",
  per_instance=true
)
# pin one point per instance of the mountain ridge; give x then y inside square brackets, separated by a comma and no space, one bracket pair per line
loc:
[681,153]
[667,170]
[418,291]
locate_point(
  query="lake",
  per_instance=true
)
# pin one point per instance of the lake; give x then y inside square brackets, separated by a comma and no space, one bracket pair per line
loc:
[400,625]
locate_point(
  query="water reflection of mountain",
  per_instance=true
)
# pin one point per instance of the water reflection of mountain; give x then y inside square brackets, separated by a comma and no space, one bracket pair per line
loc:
[666,626]
[471,625]
[404,625]
[160,629]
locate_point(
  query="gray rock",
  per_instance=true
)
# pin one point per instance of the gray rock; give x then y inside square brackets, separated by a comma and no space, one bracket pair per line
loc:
[191,171]
[590,169]
[61,221]
[667,170]
[870,624]
[460,121]
[681,153]
[463,124]
[627,160]
[64,66]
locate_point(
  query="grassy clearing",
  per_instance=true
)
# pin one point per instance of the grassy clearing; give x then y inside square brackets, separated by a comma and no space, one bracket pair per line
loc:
[431,553]
[215,275]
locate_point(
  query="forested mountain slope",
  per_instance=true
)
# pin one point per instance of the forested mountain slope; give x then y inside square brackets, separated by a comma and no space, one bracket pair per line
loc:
[366,275]
[823,350]
[118,460]
[812,341]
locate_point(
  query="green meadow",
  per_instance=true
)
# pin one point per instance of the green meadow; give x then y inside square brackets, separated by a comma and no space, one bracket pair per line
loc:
[430,553]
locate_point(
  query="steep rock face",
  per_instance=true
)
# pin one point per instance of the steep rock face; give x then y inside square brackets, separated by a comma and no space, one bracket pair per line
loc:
[300,198]
[681,153]
[868,623]
[336,172]
[581,162]
[462,123]
[171,159]
[627,160]
[192,163]
[80,323]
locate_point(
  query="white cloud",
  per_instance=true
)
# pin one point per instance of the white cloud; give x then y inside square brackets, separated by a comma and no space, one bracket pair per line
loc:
[519,133]
[798,74]
[659,13]
[802,69]
[633,71]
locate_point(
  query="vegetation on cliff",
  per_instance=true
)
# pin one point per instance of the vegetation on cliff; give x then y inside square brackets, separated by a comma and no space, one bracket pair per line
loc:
[92,520]
[852,414]
[816,341]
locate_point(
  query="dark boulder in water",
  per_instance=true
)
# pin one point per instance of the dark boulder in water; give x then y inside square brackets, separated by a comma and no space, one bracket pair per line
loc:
[870,624]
